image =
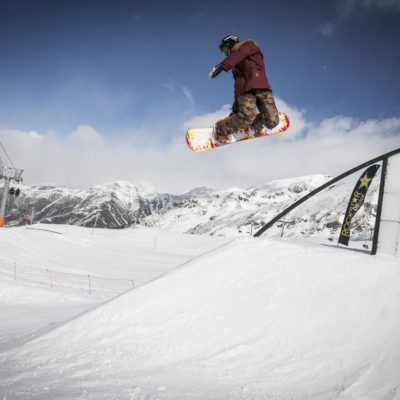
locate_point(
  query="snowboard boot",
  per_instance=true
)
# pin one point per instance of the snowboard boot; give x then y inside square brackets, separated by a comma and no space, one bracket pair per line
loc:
[220,136]
[257,130]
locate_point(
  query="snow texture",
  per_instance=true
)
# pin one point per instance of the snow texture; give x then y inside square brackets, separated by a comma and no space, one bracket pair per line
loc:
[211,318]
[389,234]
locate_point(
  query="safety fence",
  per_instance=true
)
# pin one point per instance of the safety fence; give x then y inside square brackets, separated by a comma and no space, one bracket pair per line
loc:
[73,283]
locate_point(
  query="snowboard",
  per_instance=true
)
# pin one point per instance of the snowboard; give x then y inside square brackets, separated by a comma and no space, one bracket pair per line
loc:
[204,138]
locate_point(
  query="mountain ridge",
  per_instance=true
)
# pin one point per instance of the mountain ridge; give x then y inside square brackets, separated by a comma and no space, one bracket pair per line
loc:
[201,210]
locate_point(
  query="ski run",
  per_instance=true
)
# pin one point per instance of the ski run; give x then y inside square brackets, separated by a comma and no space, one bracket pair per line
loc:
[150,314]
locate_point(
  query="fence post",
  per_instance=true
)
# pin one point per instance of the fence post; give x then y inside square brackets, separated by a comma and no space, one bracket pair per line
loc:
[95,223]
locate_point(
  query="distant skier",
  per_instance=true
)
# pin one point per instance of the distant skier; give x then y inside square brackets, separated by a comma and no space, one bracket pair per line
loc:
[251,88]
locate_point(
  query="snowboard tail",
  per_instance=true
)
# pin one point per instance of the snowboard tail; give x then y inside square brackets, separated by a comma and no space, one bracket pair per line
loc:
[204,138]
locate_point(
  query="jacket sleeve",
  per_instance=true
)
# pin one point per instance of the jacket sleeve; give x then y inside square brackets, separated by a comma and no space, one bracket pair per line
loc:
[235,57]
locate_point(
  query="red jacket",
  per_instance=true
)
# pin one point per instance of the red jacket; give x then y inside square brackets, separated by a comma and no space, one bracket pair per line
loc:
[247,64]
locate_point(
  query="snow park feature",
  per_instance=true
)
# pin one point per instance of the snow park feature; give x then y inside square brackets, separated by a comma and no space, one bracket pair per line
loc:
[388,203]
[149,313]
[241,318]
[387,224]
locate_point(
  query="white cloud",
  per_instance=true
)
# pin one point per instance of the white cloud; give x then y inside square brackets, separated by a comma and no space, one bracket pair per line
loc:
[297,119]
[85,157]
[188,93]
[168,85]
[327,28]
[206,120]
[85,136]
[346,9]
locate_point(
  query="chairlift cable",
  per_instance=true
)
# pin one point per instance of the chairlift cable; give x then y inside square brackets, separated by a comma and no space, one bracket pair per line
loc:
[5,152]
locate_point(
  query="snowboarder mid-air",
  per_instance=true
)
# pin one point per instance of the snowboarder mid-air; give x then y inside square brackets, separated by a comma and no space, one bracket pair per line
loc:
[251,88]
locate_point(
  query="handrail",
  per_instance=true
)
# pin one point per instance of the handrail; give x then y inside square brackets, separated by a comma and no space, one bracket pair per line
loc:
[322,187]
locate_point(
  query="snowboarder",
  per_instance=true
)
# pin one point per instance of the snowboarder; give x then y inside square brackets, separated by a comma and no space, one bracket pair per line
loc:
[251,88]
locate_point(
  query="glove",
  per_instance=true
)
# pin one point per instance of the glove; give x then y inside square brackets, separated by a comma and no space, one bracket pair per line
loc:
[216,71]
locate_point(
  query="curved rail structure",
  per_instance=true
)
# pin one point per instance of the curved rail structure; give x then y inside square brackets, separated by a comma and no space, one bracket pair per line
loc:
[383,158]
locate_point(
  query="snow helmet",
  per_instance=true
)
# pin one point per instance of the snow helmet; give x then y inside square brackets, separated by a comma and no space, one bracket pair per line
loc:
[228,42]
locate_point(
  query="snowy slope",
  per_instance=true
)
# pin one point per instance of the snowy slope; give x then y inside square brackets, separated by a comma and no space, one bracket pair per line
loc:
[45,269]
[251,319]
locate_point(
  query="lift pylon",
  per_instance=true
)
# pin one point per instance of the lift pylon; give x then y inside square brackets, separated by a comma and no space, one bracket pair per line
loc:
[8,174]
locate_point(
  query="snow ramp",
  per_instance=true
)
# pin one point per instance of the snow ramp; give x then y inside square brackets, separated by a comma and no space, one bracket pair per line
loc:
[253,319]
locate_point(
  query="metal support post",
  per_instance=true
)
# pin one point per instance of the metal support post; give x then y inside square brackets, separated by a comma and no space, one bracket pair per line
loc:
[379,207]
[4,201]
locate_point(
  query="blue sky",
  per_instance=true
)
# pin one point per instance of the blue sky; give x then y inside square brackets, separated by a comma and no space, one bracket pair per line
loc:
[134,70]
[117,64]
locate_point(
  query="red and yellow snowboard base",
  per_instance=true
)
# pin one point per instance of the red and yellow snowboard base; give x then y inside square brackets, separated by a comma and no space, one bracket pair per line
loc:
[204,139]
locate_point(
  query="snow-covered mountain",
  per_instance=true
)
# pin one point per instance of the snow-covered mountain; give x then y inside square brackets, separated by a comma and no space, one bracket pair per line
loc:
[115,205]
[244,211]
[202,210]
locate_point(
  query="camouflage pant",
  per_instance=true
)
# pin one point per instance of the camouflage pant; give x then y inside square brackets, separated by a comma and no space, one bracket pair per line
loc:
[245,114]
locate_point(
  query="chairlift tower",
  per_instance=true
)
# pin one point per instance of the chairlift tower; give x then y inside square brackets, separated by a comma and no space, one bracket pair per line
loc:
[8,174]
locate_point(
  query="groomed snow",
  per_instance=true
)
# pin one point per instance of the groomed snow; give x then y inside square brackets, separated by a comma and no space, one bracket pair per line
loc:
[44,271]
[227,318]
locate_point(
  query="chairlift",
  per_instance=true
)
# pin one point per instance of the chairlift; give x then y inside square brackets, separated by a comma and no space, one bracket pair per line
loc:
[9,174]
[14,192]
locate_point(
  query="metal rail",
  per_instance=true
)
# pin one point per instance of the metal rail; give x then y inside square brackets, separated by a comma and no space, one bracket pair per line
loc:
[324,186]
